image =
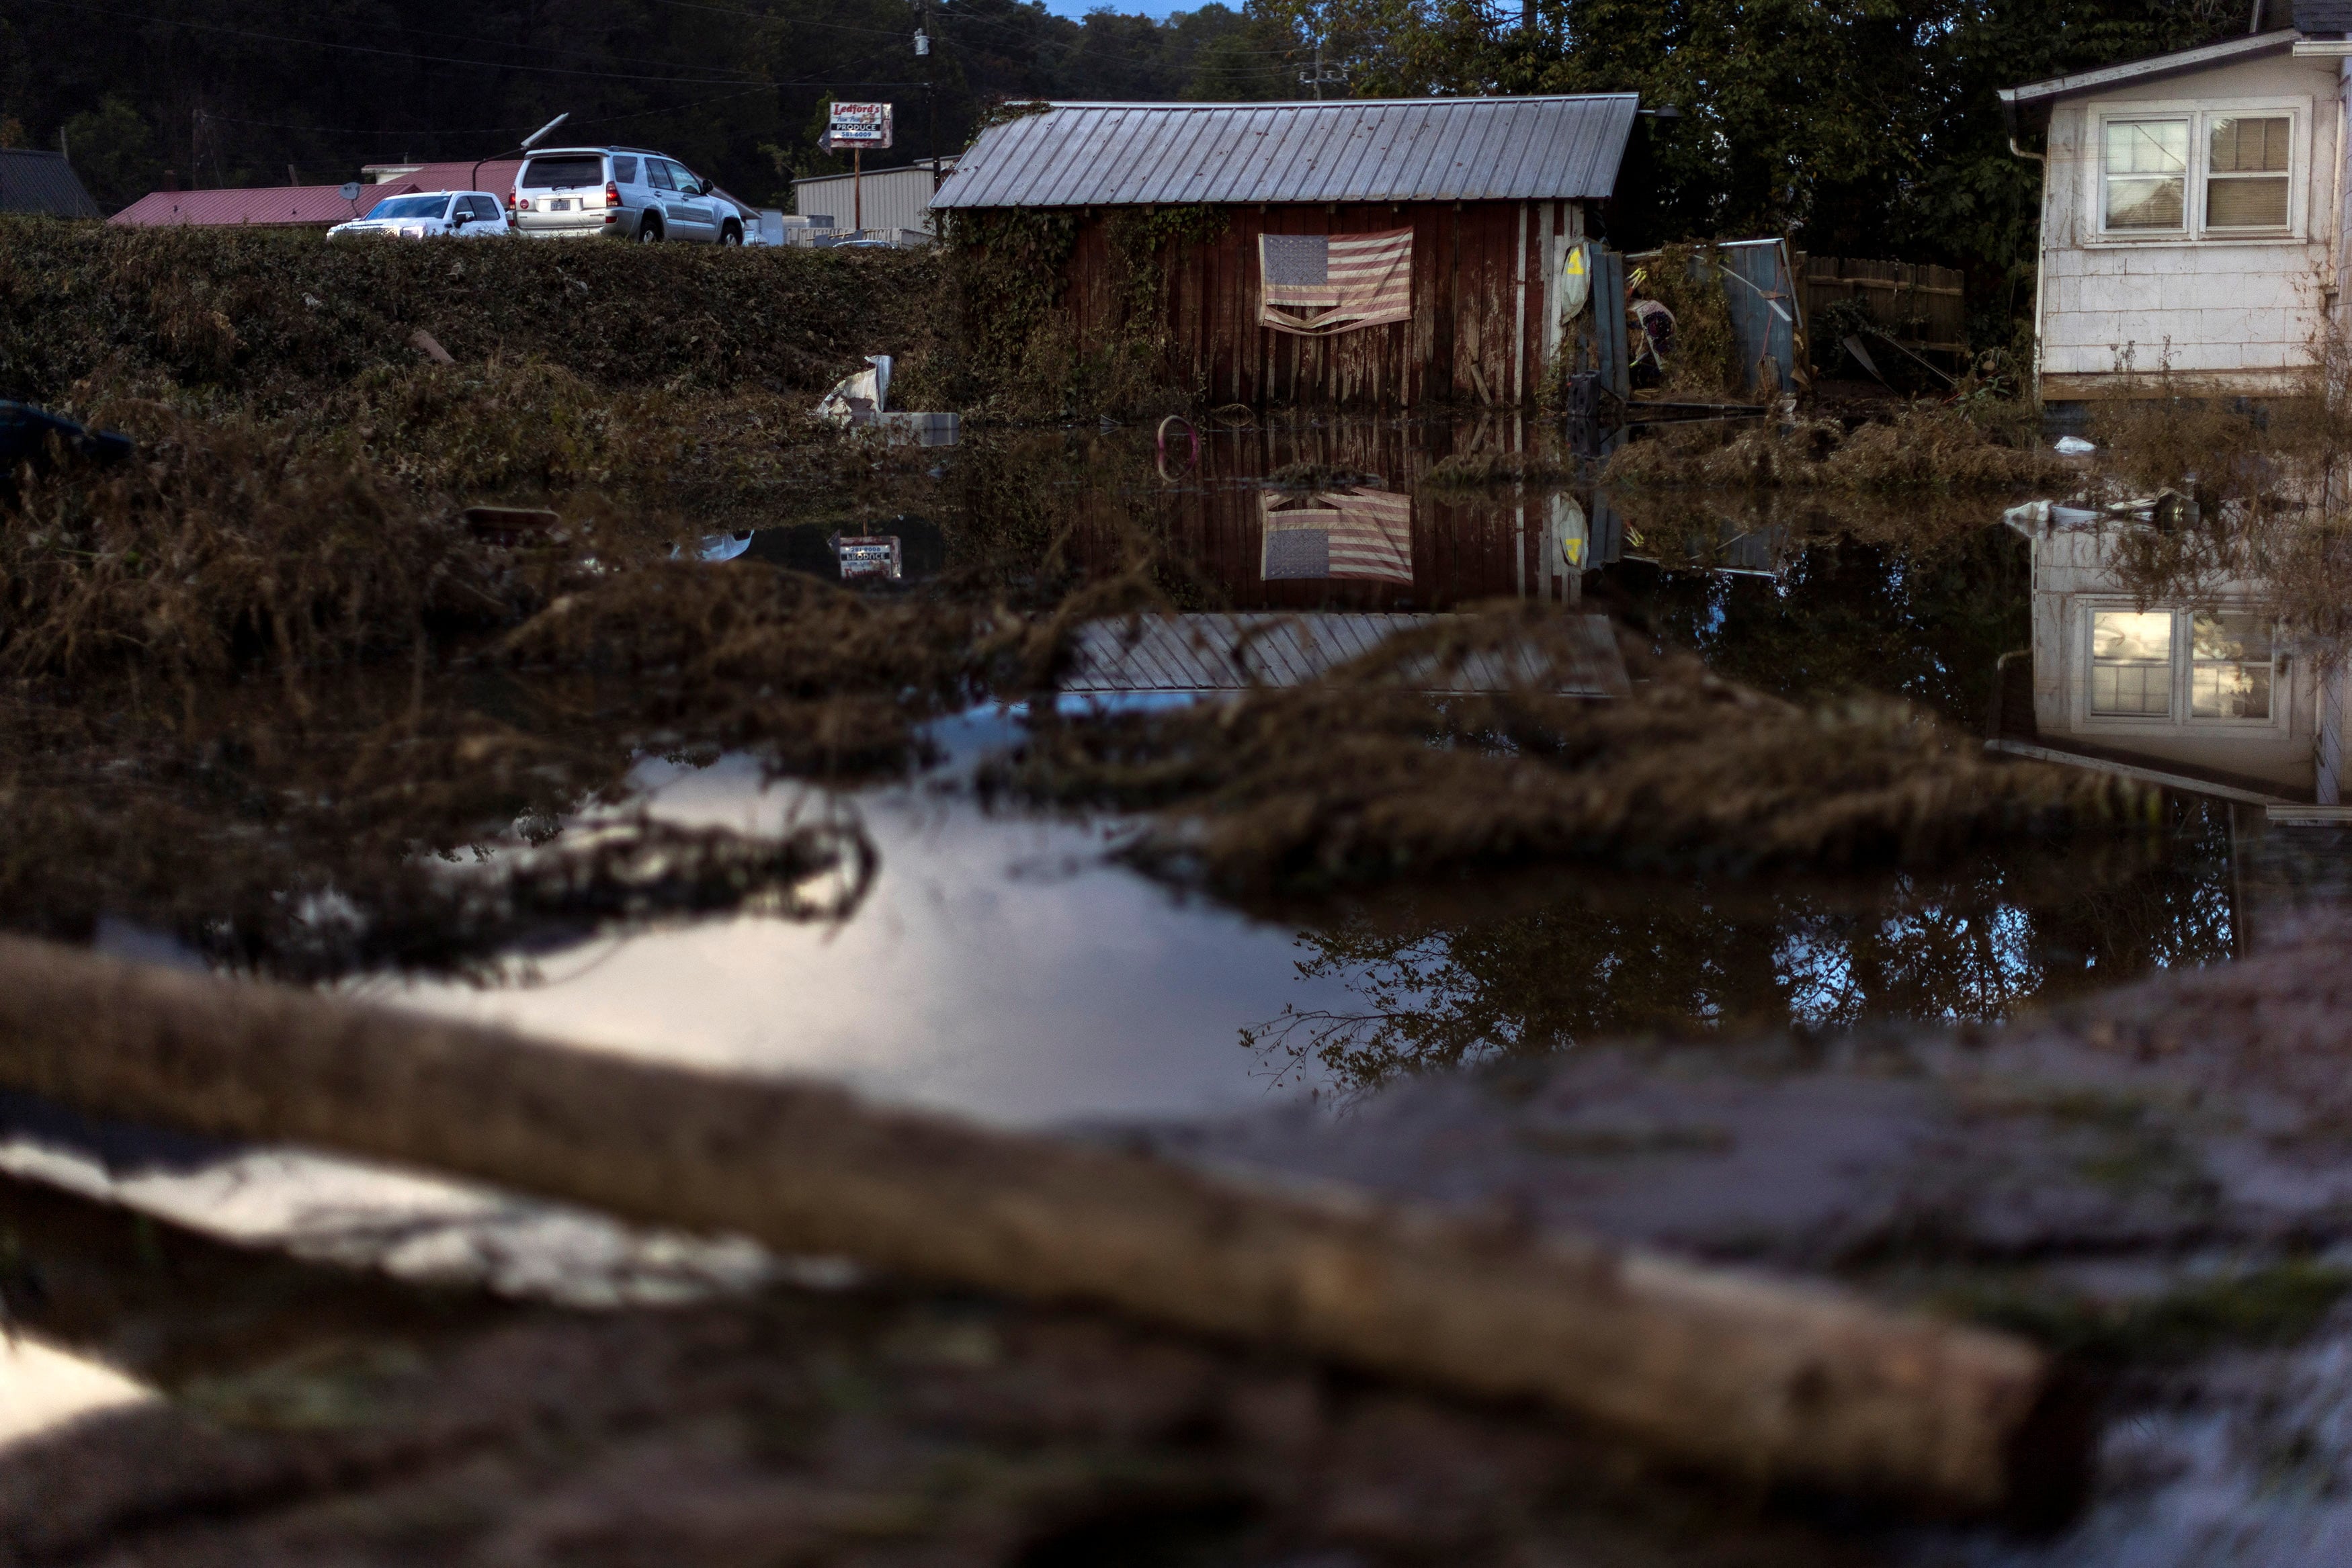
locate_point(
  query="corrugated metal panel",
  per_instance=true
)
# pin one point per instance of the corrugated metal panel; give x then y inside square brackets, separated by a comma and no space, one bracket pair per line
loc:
[1357,149]
[496,177]
[258,206]
[33,182]
[893,199]
[1205,654]
[262,205]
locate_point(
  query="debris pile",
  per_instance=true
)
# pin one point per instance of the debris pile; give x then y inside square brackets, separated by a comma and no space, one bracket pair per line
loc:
[1358,776]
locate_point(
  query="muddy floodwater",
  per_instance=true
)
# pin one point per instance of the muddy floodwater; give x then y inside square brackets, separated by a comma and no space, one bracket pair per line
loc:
[1719,1060]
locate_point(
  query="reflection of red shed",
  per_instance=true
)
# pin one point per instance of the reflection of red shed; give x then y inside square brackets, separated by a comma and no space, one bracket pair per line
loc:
[1491,192]
[303,206]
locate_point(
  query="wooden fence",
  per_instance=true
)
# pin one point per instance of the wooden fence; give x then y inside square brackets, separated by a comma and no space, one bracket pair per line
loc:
[1922,306]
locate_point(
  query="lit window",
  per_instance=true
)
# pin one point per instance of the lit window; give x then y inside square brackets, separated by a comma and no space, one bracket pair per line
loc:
[2230,673]
[2147,173]
[2131,662]
[2246,171]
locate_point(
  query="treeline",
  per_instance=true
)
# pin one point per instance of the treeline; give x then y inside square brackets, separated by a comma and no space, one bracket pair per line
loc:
[1865,127]
[1860,127]
[242,92]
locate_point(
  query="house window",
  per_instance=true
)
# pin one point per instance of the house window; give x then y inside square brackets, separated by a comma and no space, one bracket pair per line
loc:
[2246,171]
[2131,662]
[2147,174]
[2230,665]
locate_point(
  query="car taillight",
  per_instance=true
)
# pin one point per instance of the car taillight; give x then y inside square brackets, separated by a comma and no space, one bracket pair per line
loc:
[510,201]
[612,194]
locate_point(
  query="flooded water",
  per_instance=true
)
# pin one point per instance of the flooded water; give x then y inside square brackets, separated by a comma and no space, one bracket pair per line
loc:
[1007,963]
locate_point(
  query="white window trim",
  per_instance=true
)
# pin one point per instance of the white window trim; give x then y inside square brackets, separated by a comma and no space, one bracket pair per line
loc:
[2200,113]
[2183,663]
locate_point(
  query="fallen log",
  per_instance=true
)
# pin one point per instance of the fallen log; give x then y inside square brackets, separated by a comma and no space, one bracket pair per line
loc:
[1773,1381]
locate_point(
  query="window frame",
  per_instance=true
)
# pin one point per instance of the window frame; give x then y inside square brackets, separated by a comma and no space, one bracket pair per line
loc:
[2200,115]
[2182,663]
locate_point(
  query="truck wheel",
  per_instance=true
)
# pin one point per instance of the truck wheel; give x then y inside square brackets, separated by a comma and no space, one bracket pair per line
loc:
[649,231]
[731,234]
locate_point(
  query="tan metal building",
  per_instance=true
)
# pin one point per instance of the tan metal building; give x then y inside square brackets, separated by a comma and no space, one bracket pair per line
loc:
[892,198]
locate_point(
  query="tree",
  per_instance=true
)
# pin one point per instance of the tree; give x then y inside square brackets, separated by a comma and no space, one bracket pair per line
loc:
[113,151]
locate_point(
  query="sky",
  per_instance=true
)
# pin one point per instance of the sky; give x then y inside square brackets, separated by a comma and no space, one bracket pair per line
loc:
[1076,9]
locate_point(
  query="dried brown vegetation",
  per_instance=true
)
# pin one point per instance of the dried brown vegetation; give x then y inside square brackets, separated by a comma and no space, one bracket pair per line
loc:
[381,824]
[1925,450]
[268,323]
[225,541]
[1360,776]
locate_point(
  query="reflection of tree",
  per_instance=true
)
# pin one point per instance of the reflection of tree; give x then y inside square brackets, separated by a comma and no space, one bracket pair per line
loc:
[1847,615]
[1438,988]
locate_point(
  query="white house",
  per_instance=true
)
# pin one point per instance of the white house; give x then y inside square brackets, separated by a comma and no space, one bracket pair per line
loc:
[2193,212]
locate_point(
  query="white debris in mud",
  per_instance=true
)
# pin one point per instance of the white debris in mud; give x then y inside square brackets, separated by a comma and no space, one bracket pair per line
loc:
[44,1389]
[2250,1464]
[427,1230]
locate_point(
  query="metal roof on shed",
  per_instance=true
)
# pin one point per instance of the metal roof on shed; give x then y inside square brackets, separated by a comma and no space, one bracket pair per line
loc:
[36,182]
[1351,150]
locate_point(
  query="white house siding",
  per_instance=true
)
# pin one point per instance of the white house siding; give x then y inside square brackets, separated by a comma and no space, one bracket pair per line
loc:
[2238,315]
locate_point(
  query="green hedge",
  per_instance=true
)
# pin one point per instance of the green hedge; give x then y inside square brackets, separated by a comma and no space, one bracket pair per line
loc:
[268,319]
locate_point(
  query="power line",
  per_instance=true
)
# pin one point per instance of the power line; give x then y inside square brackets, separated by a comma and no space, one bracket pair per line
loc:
[393,54]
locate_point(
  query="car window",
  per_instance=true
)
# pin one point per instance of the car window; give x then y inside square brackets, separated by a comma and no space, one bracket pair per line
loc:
[562,171]
[624,170]
[482,207]
[658,175]
[407,207]
[686,178]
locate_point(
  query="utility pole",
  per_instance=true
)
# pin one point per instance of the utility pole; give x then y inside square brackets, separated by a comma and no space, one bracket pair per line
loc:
[931,77]
[1319,76]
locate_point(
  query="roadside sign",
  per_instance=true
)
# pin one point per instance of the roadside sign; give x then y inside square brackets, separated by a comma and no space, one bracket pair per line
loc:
[858,126]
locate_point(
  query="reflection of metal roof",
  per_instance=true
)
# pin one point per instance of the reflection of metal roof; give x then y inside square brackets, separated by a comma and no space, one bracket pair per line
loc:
[1355,149]
[1200,654]
[36,182]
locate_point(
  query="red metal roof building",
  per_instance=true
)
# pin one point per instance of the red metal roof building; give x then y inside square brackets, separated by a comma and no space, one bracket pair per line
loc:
[305,206]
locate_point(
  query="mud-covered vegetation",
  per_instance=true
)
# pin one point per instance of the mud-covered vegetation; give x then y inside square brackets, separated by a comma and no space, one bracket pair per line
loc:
[365,823]
[1925,448]
[1360,776]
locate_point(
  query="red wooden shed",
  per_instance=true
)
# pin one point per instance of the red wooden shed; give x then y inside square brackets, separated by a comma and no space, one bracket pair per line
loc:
[1377,253]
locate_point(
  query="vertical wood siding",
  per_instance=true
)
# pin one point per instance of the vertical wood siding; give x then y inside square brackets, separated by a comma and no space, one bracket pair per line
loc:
[1481,300]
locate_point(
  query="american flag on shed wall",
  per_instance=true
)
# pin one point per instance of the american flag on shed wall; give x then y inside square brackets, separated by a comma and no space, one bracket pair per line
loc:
[1362,535]
[1354,280]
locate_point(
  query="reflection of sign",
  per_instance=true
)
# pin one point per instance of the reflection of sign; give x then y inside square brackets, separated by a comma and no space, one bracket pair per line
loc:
[857,125]
[1568,522]
[1362,535]
[868,555]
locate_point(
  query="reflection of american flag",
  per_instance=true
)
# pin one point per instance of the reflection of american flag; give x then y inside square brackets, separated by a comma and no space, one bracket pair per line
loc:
[1363,535]
[1355,280]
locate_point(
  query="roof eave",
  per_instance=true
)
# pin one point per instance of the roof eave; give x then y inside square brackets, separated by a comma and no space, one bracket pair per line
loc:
[2156,68]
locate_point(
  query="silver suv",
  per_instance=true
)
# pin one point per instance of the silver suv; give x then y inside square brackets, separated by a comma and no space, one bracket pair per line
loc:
[622,192]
